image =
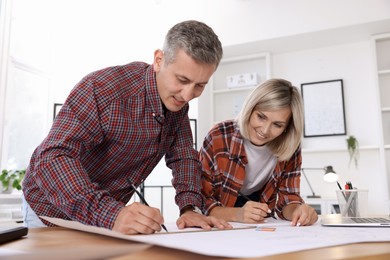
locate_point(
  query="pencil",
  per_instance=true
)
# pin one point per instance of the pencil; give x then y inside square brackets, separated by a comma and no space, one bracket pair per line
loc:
[144,201]
[338,184]
[248,199]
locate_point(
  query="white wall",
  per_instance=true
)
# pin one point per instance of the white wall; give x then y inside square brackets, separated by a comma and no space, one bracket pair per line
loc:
[90,34]
[353,64]
[267,19]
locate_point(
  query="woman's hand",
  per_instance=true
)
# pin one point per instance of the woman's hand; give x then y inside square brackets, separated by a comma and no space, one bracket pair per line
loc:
[252,212]
[301,214]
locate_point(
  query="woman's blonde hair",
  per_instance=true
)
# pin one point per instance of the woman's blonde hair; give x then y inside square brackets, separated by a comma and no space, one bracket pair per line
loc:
[276,94]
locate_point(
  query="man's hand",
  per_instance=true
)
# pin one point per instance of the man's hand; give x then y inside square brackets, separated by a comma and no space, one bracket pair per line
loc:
[192,219]
[138,219]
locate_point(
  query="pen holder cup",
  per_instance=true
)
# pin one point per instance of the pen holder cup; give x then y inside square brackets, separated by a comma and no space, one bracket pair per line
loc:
[353,203]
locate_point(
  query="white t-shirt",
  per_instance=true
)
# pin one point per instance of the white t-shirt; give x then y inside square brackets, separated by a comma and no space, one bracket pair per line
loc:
[261,163]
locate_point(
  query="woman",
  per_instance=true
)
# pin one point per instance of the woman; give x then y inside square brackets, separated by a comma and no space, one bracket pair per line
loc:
[257,157]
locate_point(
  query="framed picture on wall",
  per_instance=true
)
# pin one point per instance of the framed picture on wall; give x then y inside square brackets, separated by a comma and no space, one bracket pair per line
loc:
[323,103]
[57,107]
[194,130]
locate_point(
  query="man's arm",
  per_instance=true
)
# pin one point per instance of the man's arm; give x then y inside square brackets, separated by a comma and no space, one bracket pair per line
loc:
[59,171]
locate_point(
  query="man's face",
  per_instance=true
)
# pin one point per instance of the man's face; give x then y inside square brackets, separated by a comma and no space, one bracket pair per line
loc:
[180,81]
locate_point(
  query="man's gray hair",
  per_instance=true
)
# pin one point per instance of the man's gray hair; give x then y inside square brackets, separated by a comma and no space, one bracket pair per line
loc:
[197,40]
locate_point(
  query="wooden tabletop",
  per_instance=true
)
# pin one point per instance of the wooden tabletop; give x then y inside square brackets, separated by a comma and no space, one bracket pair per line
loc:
[61,243]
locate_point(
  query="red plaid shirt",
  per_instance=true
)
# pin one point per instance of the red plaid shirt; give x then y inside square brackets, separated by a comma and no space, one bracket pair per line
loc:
[104,134]
[223,161]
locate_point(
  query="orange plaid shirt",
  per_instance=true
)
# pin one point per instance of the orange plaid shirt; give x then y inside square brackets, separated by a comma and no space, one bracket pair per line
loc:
[223,161]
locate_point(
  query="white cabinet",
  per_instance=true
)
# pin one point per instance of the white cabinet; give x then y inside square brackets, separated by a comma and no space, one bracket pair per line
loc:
[11,207]
[324,206]
[382,54]
[234,79]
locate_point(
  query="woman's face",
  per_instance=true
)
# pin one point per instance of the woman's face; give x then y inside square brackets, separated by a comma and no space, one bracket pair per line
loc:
[265,126]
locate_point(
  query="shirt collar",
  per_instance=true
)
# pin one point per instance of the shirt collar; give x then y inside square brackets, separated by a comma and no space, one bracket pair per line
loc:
[237,146]
[152,92]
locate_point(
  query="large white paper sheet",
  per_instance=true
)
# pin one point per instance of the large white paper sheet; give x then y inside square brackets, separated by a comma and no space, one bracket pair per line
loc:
[248,241]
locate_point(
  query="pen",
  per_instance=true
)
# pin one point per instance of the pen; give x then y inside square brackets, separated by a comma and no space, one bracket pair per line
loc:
[248,199]
[144,201]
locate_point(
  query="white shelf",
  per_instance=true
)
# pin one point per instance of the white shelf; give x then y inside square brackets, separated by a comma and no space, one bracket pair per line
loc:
[245,58]
[382,54]
[10,196]
[227,102]
[230,90]
[332,150]
[384,72]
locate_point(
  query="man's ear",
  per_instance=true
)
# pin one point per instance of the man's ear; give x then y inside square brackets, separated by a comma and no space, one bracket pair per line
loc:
[158,60]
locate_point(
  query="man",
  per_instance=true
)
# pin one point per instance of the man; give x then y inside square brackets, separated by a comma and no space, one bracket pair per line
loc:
[115,126]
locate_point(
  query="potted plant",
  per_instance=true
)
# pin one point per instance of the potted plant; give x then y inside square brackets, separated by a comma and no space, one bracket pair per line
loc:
[11,179]
[353,150]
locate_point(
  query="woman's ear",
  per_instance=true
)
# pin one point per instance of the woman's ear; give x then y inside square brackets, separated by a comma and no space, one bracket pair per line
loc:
[158,60]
